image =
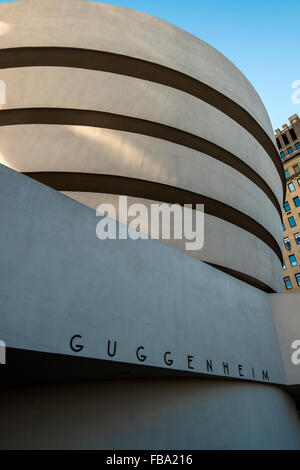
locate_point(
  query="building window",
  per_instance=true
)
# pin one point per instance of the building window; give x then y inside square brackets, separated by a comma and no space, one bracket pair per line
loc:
[287,243]
[293,260]
[287,282]
[293,134]
[278,143]
[287,174]
[292,222]
[282,154]
[291,187]
[290,150]
[296,169]
[283,266]
[298,145]
[286,206]
[297,238]
[296,201]
[283,226]
[285,139]
[297,276]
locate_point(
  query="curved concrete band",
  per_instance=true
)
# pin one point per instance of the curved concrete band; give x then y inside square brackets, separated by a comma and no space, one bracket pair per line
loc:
[161,414]
[110,152]
[234,238]
[88,90]
[84,182]
[145,70]
[99,119]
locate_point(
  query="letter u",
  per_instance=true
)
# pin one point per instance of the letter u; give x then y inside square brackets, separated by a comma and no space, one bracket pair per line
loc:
[108,349]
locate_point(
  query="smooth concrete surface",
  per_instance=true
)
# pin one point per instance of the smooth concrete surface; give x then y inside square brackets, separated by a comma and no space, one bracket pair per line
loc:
[234,240]
[60,87]
[104,151]
[99,26]
[286,312]
[149,414]
[59,280]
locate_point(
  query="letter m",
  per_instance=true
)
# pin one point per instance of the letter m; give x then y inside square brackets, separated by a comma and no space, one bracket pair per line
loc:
[265,375]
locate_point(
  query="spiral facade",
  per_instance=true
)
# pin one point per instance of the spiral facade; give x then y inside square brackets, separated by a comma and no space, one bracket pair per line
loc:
[103,101]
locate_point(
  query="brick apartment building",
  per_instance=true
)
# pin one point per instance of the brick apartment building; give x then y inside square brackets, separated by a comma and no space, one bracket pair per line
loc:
[288,142]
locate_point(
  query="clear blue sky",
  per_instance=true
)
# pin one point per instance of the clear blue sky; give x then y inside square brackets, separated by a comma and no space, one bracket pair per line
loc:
[261,37]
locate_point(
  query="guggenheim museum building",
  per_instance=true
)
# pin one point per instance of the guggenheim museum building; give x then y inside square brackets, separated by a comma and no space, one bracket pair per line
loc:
[137,344]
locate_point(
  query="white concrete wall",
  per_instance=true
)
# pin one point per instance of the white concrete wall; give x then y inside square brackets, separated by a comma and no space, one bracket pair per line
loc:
[58,279]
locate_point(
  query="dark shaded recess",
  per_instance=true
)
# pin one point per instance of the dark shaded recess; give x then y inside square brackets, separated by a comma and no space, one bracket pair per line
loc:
[27,368]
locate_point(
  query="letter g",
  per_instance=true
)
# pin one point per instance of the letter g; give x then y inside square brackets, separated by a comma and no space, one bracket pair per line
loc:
[75,347]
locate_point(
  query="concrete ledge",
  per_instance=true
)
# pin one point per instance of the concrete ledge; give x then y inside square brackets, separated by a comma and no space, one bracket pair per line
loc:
[150,414]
